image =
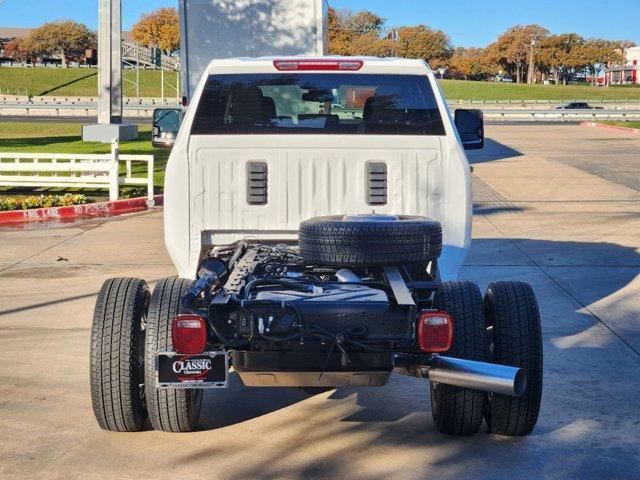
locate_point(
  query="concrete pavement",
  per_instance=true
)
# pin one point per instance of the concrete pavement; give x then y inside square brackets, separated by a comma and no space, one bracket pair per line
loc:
[571,230]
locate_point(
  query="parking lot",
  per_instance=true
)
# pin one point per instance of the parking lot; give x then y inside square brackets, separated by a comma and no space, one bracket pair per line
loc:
[556,206]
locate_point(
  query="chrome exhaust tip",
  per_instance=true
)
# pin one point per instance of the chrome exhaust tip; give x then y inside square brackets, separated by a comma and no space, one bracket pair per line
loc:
[489,377]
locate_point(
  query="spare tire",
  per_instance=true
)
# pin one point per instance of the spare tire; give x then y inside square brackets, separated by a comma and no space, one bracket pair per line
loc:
[370,240]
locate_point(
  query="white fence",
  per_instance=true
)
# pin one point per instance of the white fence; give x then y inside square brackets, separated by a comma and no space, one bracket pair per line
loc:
[76,170]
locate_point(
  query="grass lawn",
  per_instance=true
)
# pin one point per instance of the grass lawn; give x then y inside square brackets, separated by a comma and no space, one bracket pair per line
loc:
[66,138]
[464,90]
[83,82]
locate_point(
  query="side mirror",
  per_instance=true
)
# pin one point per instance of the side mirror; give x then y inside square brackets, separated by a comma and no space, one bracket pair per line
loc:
[470,125]
[166,125]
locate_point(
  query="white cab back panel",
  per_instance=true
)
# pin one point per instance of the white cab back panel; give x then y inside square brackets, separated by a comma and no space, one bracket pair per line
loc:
[306,181]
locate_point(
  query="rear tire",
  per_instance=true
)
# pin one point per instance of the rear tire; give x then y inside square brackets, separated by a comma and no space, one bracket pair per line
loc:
[457,410]
[117,355]
[170,410]
[512,310]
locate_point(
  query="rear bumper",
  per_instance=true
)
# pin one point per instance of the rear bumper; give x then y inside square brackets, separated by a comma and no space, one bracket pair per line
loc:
[312,369]
[314,379]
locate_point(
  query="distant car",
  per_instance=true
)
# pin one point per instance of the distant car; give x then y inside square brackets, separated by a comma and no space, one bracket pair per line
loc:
[578,106]
[500,78]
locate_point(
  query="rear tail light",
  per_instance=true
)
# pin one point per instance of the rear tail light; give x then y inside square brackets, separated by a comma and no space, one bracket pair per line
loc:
[189,334]
[318,64]
[435,331]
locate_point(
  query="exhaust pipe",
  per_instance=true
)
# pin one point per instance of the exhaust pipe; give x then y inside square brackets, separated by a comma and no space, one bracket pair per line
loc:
[488,377]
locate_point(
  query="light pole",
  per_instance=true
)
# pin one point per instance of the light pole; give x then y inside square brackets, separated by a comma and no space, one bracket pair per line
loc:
[532,65]
[109,126]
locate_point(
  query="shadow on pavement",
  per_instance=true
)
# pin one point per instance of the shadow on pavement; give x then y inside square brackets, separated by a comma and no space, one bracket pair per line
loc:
[493,150]
[240,403]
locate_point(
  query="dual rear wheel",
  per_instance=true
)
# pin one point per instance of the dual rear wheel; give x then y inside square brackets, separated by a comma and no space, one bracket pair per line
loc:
[503,328]
[129,326]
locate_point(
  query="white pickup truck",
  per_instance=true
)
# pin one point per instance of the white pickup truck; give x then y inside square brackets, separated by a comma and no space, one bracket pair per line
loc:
[317,211]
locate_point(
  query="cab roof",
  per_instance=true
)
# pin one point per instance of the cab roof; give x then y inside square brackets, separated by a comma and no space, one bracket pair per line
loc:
[370,65]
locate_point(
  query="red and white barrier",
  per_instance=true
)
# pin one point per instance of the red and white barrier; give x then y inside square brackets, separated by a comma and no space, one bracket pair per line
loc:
[604,126]
[89,210]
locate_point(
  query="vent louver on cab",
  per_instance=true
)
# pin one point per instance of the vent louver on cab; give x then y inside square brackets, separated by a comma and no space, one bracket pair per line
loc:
[376,176]
[257,181]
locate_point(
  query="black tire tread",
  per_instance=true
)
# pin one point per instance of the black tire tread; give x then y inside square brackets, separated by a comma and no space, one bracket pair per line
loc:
[115,391]
[518,342]
[170,410]
[460,409]
[331,241]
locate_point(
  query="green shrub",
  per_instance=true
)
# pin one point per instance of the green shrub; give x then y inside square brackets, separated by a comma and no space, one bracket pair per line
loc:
[43,201]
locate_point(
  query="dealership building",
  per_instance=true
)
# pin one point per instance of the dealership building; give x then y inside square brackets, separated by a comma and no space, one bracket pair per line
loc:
[626,74]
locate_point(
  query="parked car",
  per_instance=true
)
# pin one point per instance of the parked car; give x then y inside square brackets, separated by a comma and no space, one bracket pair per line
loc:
[500,78]
[578,106]
[286,275]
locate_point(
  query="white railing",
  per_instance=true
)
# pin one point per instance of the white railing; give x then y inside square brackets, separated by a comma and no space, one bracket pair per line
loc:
[134,52]
[75,170]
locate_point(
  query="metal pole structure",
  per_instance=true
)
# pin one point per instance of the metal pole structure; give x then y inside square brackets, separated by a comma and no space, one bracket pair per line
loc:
[110,124]
[532,67]
[138,72]
[110,63]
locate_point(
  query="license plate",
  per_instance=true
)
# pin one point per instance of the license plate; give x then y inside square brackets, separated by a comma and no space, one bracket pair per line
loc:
[204,370]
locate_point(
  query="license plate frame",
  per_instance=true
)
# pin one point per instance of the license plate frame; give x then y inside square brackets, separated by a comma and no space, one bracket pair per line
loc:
[202,370]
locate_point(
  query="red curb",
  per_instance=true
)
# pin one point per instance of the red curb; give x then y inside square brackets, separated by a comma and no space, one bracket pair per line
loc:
[101,209]
[632,131]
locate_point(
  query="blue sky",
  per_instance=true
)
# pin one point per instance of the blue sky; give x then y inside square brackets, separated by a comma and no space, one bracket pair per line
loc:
[469,23]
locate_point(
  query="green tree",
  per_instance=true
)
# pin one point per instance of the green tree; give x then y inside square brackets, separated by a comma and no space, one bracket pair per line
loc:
[358,33]
[339,37]
[596,53]
[362,23]
[420,41]
[560,53]
[514,48]
[14,49]
[471,64]
[372,45]
[160,29]
[66,39]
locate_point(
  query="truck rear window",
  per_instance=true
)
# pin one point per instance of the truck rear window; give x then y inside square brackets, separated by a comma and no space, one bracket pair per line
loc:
[309,103]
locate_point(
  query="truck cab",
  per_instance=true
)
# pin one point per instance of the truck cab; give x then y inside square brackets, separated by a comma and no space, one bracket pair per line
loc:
[317,128]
